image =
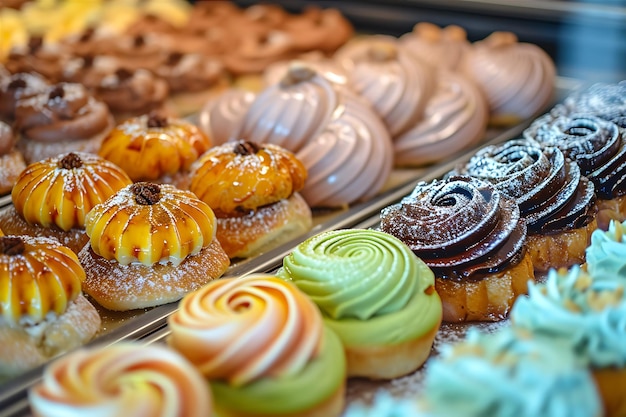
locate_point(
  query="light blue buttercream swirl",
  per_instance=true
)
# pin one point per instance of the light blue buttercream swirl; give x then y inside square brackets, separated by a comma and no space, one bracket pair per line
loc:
[606,256]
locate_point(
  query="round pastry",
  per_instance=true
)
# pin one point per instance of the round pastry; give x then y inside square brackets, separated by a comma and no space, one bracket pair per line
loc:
[149,245]
[455,118]
[221,116]
[18,87]
[606,255]
[603,100]
[253,190]
[396,83]
[43,311]
[472,236]
[374,293]
[52,197]
[62,119]
[316,29]
[263,347]
[441,47]
[11,160]
[154,147]
[143,51]
[341,141]
[599,148]
[557,202]
[127,379]
[45,58]
[132,93]
[586,316]
[326,67]
[517,78]
[255,51]
[508,374]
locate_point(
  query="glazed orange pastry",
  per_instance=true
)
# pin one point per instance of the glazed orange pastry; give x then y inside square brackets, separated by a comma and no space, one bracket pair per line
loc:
[155,148]
[263,347]
[150,244]
[52,197]
[125,379]
[42,310]
[253,190]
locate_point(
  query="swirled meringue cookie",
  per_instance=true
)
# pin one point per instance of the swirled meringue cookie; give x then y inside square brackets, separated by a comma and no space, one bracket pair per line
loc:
[517,78]
[375,293]
[52,197]
[221,116]
[341,141]
[455,118]
[127,379]
[64,118]
[440,47]
[599,148]
[16,87]
[326,67]
[509,374]
[557,202]
[11,160]
[262,345]
[606,255]
[44,312]
[396,83]
[472,236]
[587,317]
[148,245]
[603,100]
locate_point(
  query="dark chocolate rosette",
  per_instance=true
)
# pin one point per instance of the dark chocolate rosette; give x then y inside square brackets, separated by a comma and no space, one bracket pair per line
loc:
[606,101]
[461,227]
[596,145]
[549,189]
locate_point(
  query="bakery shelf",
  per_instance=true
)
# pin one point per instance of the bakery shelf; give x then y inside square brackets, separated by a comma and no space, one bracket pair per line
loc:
[149,326]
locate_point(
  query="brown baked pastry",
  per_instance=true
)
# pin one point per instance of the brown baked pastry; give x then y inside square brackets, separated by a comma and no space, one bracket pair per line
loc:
[252,189]
[64,118]
[317,29]
[43,310]
[52,197]
[17,87]
[11,161]
[472,236]
[45,58]
[150,244]
[154,147]
[557,202]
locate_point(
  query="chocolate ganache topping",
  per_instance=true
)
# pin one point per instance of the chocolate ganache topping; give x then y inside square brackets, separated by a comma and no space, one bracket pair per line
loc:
[606,101]
[461,227]
[17,87]
[595,144]
[551,193]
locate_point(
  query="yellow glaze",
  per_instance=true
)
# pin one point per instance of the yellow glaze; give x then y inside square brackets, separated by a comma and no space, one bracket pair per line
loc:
[176,226]
[149,153]
[44,277]
[231,182]
[50,195]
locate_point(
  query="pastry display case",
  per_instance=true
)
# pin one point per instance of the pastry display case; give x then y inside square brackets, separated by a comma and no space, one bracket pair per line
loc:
[582,38]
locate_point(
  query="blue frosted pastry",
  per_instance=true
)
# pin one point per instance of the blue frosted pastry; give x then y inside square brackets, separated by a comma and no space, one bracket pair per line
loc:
[606,256]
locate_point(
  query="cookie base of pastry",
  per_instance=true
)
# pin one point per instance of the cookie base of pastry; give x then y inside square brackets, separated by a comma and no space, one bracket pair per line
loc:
[265,228]
[614,209]
[11,166]
[610,383]
[11,223]
[489,299]
[129,287]
[25,347]
[388,362]
[560,250]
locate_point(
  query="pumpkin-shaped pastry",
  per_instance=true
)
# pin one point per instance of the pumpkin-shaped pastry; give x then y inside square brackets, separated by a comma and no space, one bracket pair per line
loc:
[155,148]
[150,244]
[42,310]
[52,197]
[253,190]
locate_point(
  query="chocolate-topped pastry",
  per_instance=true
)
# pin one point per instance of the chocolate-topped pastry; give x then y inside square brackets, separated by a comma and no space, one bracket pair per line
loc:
[606,101]
[17,87]
[472,236]
[11,160]
[557,202]
[63,118]
[598,147]
[45,58]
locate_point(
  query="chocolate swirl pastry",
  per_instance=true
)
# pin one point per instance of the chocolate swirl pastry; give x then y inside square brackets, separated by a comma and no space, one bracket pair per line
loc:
[549,189]
[461,227]
[595,144]
[606,101]
[17,87]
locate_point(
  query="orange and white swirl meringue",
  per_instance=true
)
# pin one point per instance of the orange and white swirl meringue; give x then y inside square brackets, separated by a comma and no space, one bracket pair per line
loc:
[60,191]
[121,380]
[149,223]
[243,329]
[38,276]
